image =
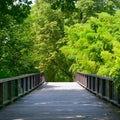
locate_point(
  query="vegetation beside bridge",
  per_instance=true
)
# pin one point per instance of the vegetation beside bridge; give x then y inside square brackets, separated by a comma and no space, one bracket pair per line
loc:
[60,37]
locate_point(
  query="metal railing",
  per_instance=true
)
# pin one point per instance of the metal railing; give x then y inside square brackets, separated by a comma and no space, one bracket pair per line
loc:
[101,86]
[13,88]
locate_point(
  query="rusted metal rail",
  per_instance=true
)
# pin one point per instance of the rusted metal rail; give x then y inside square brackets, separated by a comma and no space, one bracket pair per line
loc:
[101,86]
[13,88]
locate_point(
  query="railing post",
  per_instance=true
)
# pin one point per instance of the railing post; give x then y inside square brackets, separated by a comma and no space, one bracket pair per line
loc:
[33,81]
[16,88]
[91,83]
[13,88]
[110,89]
[95,84]
[9,90]
[103,87]
[98,85]
[87,81]
[26,84]
[94,81]
[22,86]
[1,94]
[118,95]
[30,82]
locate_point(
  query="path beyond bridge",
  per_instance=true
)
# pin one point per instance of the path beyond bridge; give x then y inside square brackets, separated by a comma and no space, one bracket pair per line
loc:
[60,101]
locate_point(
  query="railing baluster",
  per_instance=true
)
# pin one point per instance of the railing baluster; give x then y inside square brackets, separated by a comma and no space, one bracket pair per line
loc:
[5,92]
[94,83]
[9,90]
[87,82]
[110,90]
[119,95]
[102,86]
[1,94]
[22,86]
[97,84]
[30,83]
[91,83]
[26,84]
[13,88]
[16,88]
[33,81]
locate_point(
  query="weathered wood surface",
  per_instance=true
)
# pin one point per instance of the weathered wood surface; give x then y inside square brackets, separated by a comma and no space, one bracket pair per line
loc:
[60,101]
[17,77]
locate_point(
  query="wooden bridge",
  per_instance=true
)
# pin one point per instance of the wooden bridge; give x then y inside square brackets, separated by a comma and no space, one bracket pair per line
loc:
[59,100]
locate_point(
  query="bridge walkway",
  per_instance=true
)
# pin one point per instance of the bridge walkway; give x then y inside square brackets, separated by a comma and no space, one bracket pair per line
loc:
[60,101]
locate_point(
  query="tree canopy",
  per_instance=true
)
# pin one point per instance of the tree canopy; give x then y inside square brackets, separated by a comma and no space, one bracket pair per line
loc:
[94,46]
[15,39]
[48,28]
[60,37]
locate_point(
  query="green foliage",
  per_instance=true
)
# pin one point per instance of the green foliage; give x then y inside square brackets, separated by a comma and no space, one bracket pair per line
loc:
[15,52]
[88,8]
[94,46]
[48,29]
[60,37]
[64,5]
[16,41]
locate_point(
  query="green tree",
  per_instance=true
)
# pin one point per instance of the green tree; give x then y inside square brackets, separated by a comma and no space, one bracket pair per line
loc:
[15,39]
[94,47]
[89,8]
[77,11]
[16,50]
[48,28]
[18,9]
[65,6]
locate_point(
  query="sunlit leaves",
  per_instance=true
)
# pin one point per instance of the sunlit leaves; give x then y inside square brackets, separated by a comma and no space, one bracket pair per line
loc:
[96,50]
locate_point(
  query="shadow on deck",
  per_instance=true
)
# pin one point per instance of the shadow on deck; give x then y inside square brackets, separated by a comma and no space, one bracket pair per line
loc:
[60,101]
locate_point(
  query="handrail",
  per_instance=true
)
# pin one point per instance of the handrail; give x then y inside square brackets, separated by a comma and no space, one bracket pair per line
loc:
[15,87]
[99,85]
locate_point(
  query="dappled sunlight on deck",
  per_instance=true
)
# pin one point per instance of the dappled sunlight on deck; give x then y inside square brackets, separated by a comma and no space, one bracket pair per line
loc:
[63,86]
[60,101]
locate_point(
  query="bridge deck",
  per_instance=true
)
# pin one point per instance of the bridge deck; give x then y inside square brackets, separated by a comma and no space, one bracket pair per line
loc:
[60,101]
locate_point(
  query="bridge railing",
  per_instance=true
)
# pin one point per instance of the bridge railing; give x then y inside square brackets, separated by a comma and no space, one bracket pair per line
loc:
[101,86]
[13,88]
